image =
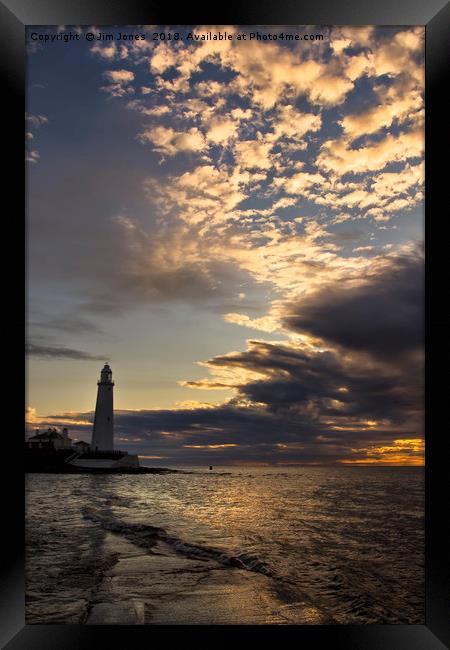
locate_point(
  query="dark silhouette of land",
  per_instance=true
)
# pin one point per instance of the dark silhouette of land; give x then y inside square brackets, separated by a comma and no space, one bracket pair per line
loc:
[54,461]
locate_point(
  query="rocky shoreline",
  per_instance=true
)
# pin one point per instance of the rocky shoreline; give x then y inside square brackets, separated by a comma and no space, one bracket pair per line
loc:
[56,462]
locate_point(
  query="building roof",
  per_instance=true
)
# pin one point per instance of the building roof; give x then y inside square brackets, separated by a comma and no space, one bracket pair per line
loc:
[50,434]
[47,435]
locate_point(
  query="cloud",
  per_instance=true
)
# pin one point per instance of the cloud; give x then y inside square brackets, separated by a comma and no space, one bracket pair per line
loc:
[297,183]
[391,184]
[107,52]
[60,352]
[265,152]
[401,108]
[398,54]
[252,154]
[299,427]
[264,323]
[327,389]
[382,315]
[163,266]
[119,76]
[120,85]
[34,122]
[349,389]
[342,38]
[164,57]
[339,155]
[167,141]
[68,323]
[270,79]
[221,130]
[377,195]
[269,73]
[203,194]
[293,124]
[32,156]
[351,394]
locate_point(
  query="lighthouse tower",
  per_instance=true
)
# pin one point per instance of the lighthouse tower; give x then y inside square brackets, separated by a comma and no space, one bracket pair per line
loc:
[103,431]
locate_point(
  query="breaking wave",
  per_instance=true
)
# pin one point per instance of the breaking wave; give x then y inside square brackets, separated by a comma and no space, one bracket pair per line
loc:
[147,536]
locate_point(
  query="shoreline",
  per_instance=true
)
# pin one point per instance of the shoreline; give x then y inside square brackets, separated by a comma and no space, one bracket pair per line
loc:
[102,470]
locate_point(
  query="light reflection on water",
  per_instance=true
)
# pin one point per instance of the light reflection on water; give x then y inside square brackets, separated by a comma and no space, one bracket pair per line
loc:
[345,542]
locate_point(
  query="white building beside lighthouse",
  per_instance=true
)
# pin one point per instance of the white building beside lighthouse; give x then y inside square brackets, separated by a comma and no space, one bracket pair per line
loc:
[103,431]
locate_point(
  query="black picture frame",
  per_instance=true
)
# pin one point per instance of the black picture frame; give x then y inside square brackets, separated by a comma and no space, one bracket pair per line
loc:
[15,15]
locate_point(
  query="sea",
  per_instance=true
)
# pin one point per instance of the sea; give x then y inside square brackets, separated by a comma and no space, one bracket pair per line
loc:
[234,545]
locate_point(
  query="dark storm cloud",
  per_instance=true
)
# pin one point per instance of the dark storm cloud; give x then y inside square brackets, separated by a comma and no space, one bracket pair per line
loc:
[232,433]
[175,430]
[301,381]
[383,316]
[228,424]
[59,352]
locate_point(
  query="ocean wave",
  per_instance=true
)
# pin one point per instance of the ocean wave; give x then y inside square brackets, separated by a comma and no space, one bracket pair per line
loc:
[147,536]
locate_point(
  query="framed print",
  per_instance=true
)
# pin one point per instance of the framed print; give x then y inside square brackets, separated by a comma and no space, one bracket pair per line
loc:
[234,328]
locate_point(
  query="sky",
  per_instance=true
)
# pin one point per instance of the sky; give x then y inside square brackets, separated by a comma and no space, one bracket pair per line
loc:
[236,226]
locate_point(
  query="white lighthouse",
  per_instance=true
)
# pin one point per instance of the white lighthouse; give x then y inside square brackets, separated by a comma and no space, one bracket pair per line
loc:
[101,454]
[103,431]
